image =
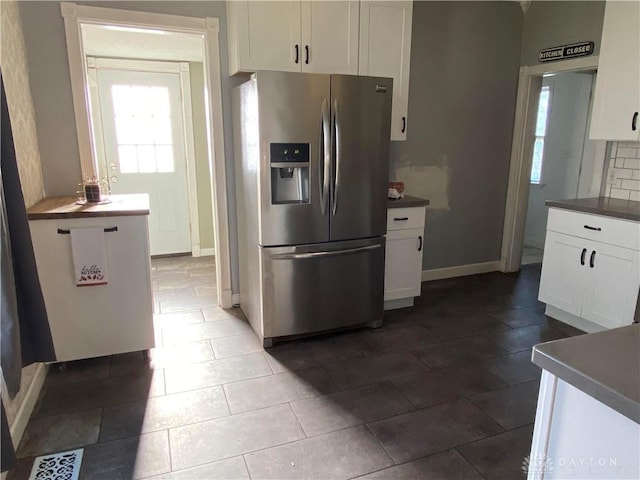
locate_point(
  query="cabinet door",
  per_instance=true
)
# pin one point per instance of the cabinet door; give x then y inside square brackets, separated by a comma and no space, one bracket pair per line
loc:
[267,36]
[403,264]
[617,93]
[563,275]
[612,290]
[385,51]
[330,37]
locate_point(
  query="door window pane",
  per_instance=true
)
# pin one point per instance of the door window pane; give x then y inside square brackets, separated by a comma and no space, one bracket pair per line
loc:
[142,117]
[128,158]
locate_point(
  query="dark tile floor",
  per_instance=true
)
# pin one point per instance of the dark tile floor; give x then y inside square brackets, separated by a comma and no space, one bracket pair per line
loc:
[443,390]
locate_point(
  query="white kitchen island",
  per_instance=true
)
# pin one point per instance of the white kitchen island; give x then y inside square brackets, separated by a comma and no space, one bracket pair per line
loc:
[94,321]
[588,418]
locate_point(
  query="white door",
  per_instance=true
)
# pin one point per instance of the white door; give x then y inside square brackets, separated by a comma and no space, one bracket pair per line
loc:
[269,36]
[145,151]
[611,294]
[330,37]
[565,269]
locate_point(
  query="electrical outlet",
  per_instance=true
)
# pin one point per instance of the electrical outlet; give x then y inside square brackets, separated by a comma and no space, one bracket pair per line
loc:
[613,176]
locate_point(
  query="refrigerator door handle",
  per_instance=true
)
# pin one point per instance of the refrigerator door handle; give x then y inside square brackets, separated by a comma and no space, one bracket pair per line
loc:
[324,161]
[333,253]
[338,150]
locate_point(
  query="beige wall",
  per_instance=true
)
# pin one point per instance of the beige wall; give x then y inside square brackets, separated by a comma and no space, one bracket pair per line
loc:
[203,180]
[16,82]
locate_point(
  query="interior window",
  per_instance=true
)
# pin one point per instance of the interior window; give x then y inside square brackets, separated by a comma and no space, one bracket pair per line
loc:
[541,130]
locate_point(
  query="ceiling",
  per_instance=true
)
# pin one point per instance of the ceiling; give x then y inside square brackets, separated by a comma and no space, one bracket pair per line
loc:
[148,44]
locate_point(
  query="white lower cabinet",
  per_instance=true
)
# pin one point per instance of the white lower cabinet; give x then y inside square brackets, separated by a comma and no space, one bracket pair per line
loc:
[590,284]
[577,437]
[403,261]
[93,321]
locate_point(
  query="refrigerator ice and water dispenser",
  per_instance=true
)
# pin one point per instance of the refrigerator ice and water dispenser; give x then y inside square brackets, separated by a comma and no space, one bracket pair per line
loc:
[289,172]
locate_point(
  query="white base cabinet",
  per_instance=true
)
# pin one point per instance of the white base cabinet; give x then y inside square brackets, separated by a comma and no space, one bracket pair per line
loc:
[403,261]
[93,321]
[595,276]
[576,436]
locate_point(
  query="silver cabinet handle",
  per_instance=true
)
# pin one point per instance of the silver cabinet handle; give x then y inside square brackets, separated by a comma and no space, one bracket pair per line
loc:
[324,162]
[333,253]
[338,147]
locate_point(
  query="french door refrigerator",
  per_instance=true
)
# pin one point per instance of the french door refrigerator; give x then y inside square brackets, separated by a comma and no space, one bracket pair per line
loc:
[311,162]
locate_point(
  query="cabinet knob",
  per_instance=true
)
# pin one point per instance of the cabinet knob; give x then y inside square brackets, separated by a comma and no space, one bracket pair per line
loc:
[306,54]
[420,243]
[297,47]
[591,260]
[584,252]
[634,120]
[404,124]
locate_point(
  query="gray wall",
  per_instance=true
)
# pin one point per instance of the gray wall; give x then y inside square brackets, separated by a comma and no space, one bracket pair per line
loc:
[53,102]
[552,23]
[465,58]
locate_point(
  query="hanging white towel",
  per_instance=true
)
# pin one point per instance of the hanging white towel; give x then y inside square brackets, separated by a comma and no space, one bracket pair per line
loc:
[89,256]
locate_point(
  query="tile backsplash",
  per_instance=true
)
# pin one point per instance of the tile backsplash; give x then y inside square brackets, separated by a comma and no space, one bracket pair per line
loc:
[625,159]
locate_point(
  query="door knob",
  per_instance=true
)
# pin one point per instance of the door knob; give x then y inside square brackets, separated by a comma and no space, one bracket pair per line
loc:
[114,179]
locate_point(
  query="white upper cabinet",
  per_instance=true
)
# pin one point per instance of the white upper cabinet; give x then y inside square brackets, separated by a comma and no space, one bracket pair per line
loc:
[617,96]
[385,51]
[264,36]
[330,37]
[319,37]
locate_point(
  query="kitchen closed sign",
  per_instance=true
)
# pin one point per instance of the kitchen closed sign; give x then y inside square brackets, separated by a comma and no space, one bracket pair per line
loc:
[563,52]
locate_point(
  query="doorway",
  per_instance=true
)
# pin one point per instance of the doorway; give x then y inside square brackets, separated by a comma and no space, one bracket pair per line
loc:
[552,157]
[563,156]
[153,37]
[139,84]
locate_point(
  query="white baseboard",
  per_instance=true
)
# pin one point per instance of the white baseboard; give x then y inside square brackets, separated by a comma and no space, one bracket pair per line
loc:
[207,252]
[226,299]
[235,298]
[460,270]
[28,403]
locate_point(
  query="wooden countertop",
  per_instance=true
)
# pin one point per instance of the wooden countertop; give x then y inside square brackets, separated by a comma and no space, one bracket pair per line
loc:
[66,207]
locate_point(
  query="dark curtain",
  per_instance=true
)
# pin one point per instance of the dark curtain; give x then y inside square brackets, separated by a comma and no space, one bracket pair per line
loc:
[25,332]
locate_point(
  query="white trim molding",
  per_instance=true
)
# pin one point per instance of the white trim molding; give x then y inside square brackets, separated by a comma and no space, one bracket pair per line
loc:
[460,271]
[209,27]
[21,419]
[529,83]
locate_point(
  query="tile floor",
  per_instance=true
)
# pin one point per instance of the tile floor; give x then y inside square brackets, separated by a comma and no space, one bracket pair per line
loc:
[442,390]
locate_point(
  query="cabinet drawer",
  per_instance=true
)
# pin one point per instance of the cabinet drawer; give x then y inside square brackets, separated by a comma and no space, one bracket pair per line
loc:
[403,218]
[614,231]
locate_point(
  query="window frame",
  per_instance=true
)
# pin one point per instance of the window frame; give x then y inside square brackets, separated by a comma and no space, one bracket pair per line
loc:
[548,84]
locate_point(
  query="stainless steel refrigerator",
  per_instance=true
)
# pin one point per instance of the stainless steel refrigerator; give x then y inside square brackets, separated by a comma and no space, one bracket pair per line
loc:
[311,162]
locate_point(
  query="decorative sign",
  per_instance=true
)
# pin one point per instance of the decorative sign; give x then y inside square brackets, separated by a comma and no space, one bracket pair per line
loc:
[563,52]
